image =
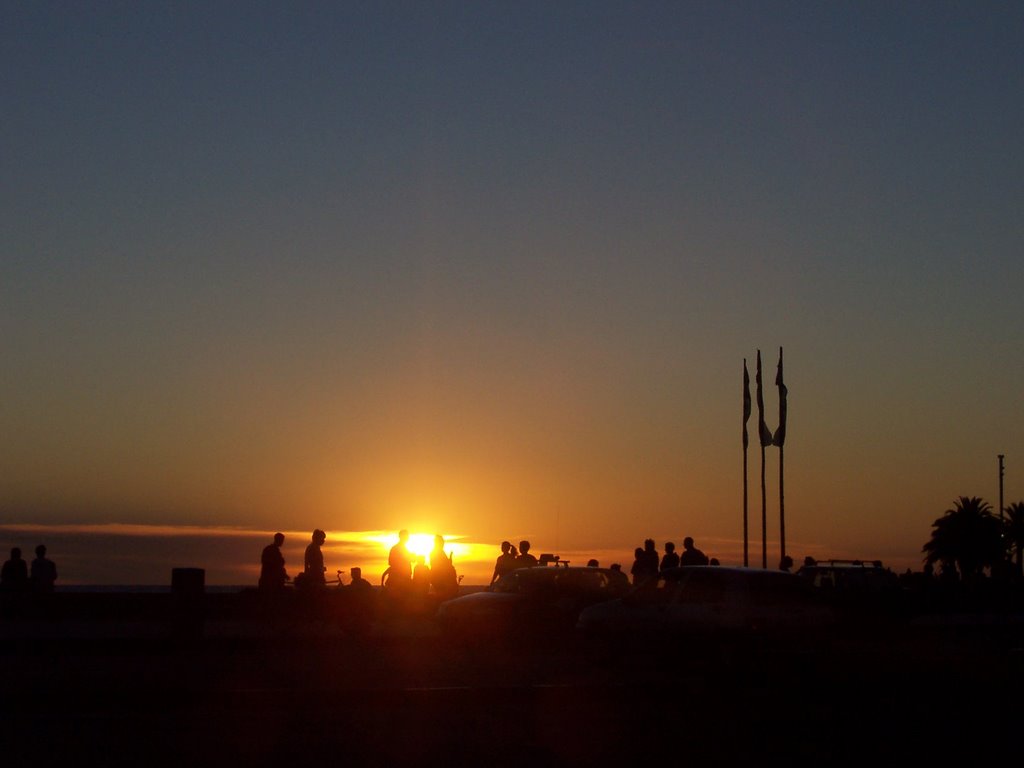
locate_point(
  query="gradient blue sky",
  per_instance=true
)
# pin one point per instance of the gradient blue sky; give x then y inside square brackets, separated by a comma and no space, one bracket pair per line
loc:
[492,269]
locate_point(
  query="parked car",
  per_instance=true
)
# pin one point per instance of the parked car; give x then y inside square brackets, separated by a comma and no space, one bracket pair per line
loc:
[713,603]
[860,588]
[532,602]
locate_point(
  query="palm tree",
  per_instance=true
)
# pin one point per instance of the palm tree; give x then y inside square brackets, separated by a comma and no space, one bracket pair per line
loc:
[968,535]
[1014,532]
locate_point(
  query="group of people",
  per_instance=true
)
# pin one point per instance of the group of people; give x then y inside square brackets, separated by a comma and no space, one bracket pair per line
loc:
[17,576]
[408,572]
[274,575]
[511,558]
[647,563]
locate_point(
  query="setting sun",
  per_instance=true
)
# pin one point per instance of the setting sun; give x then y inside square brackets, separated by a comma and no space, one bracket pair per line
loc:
[420,544]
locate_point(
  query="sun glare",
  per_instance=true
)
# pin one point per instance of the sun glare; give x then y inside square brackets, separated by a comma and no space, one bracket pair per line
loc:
[420,544]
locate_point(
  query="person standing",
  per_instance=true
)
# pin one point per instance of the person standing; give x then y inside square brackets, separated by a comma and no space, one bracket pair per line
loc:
[651,559]
[443,578]
[525,559]
[272,572]
[14,574]
[313,564]
[691,555]
[637,569]
[670,559]
[399,572]
[44,571]
[506,561]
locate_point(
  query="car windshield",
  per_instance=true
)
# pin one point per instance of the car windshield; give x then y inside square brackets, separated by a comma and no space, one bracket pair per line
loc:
[777,589]
[702,586]
[533,581]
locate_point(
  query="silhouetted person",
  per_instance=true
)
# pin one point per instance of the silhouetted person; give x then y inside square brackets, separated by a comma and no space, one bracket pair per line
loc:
[14,574]
[809,562]
[359,585]
[525,559]
[362,601]
[442,573]
[43,571]
[645,563]
[651,559]
[272,572]
[691,555]
[786,564]
[399,572]
[616,576]
[506,561]
[313,567]
[592,563]
[637,570]
[713,561]
[670,559]
[421,578]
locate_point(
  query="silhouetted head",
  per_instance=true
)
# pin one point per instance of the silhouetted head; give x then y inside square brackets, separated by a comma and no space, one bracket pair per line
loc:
[319,537]
[670,547]
[786,563]
[278,539]
[810,561]
[649,544]
[616,566]
[592,563]
[638,552]
[688,542]
[15,553]
[438,541]
[41,550]
[357,573]
[713,561]
[524,546]
[505,547]
[403,536]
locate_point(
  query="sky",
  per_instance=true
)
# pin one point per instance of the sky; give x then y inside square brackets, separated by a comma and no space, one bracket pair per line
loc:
[492,270]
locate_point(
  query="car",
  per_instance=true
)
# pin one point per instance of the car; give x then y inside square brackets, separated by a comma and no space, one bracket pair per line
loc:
[532,602]
[859,588]
[858,575]
[713,603]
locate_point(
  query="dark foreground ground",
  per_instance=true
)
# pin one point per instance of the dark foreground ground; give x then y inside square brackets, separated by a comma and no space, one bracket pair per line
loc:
[165,694]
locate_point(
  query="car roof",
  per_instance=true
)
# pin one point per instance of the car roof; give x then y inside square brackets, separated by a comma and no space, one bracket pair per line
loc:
[535,571]
[844,565]
[727,571]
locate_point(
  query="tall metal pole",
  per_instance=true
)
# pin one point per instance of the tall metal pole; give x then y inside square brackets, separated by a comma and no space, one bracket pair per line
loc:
[1001,457]
[746,534]
[782,508]
[764,515]
[746,442]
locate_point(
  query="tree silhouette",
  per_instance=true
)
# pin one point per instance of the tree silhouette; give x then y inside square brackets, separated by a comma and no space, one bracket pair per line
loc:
[1014,530]
[969,536]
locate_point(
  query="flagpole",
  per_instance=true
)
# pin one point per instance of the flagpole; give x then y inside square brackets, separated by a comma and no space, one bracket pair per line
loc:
[764,517]
[746,535]
[764,438]
[780,440]
[746,442]
[782,506]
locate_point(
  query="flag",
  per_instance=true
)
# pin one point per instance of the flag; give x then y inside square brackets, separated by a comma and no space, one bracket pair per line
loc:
[762,428]
[780,433]
[746,403]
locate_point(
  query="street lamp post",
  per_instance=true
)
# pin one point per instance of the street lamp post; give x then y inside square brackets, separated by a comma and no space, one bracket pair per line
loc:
[1001,457]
